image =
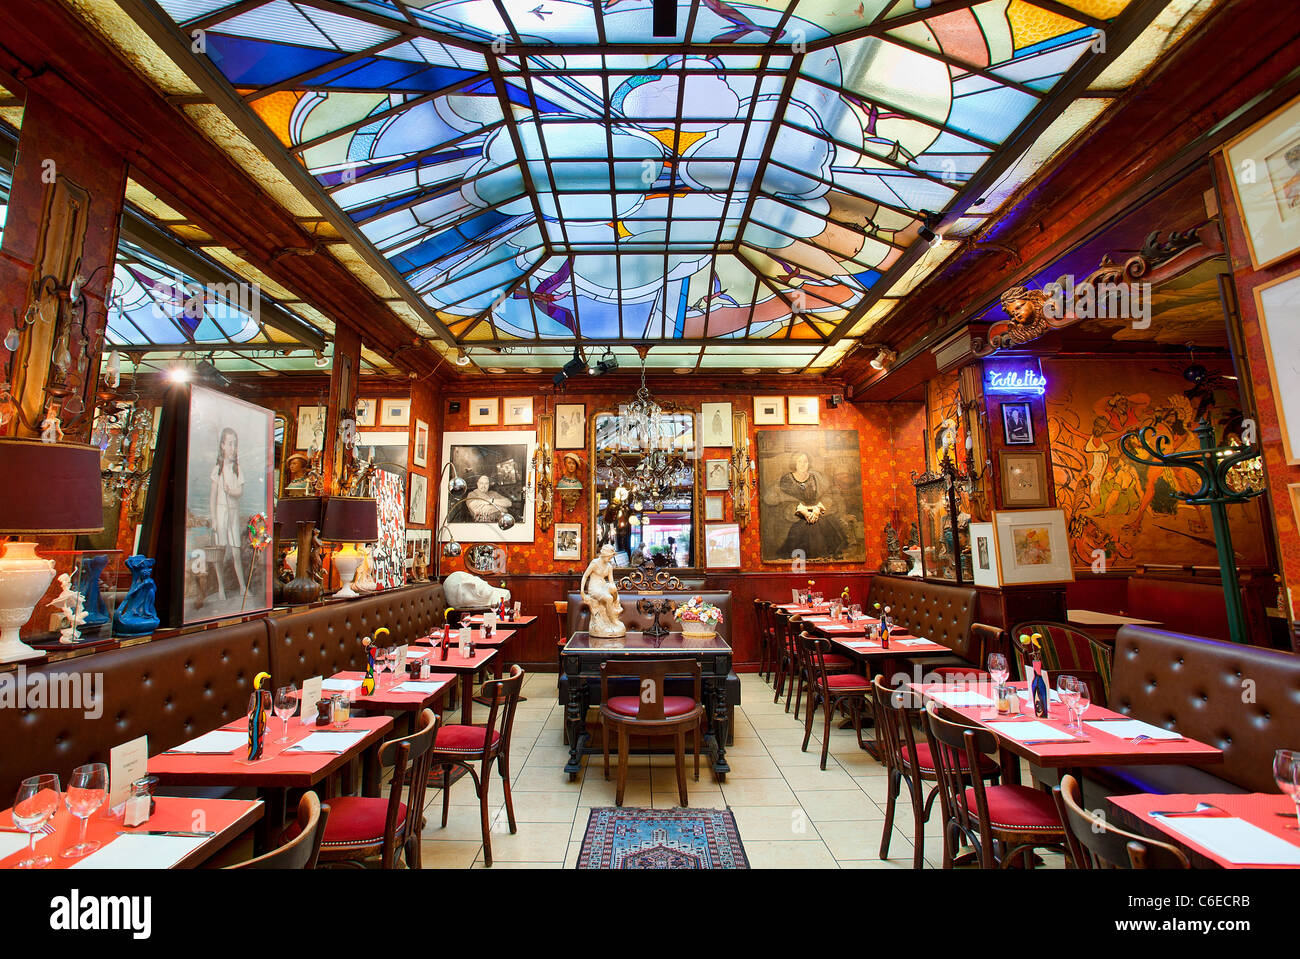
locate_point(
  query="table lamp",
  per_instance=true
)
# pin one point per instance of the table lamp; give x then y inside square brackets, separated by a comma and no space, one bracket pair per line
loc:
[49,489]
[299,516]
[349,520]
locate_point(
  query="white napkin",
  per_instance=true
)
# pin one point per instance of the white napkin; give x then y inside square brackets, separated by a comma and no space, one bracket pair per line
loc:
[1130,728]
[139,851]
[911,642]
[12,842]
[1031,732]
[217,741]
[1027,696]
[340,685]
[414,687]
[336,742]
[1239,842]
[961,697]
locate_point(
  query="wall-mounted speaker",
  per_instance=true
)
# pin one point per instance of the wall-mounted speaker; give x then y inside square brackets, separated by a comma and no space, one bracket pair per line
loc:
[453,406]
[836,400]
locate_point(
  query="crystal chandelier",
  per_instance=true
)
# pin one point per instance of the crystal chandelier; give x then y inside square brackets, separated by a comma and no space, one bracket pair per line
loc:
[662,470]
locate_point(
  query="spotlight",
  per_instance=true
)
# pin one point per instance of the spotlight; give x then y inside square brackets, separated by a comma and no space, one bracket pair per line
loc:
[608,363]
[462,358]
[205,371]
[179,374]
[884,358]
[929,221]
[571,368]
[321,362]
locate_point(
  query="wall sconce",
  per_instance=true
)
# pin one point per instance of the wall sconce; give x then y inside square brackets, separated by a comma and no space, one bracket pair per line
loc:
[543,473]
[742,469]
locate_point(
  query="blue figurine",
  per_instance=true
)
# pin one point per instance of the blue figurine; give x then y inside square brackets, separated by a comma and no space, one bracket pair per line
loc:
[136,615]
[92,568]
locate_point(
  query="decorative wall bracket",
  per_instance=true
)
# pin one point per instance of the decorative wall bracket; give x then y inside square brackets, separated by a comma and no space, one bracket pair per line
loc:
[741,471]
[543,471]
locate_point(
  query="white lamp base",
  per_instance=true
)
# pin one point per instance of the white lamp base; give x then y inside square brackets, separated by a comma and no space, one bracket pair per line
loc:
[24,578]
[346,562]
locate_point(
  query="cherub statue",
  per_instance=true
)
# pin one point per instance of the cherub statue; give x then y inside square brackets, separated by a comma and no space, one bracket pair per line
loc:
[52,426]
[1024,308]
[602,598]
[72,605]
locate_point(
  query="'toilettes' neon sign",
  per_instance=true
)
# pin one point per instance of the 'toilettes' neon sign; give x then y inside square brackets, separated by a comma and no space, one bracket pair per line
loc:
[1017,381]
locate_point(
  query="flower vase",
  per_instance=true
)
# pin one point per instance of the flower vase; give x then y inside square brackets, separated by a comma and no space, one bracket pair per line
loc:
[136,614]
[92,568]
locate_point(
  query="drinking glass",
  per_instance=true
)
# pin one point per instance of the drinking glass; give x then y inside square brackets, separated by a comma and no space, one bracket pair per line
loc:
[1286,773]
[87,791]
[818,598]
[855,611]
[286,704]
[1067,688]
[1082,699]
[38,800]
[342,711]
[998,668]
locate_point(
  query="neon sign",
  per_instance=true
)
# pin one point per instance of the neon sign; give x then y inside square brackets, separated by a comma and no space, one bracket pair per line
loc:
[1025,380]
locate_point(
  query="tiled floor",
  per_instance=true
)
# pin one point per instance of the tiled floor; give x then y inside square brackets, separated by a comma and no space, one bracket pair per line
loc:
[791,814]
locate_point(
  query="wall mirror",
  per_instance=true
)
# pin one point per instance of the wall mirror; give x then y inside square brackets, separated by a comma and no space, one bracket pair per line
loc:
[643,494]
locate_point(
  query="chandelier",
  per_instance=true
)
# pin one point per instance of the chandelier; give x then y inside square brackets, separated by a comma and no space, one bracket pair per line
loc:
[647,464]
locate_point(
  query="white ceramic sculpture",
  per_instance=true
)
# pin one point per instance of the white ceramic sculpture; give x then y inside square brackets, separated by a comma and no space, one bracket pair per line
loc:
[467,591]
[602,596]
[70,603]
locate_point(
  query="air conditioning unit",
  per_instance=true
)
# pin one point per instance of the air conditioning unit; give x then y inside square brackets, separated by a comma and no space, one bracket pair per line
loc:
[953,351]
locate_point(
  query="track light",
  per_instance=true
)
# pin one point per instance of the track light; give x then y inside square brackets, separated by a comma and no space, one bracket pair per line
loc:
[321,362]
[884,358]
[608,363]
[462,358]
[927,232]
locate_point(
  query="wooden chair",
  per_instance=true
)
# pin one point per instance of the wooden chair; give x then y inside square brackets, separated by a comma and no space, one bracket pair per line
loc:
[302,850]
[764,640]
[783,655]
[831,689]
[897,712]
[363,827]
[1095,844]
[652,713]
[1068,650]
[456,745]
[1004,823]
[791,675]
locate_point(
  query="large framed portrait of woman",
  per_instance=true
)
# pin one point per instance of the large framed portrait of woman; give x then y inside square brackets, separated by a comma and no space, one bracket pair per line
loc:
[810,496]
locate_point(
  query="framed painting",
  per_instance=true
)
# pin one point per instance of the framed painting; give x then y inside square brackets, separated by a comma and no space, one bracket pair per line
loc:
[570,426]
[483,412]
[715,425]
[568,541]
[517,410]
[367,411]
[395,412]
[1278,305]
[769,410]
[1265,168]
[311,428]
[419,511]
[1024,479]
[803,411]
[717,475]
[984,555]
[388,554]
[420,448]
[810,496]
[1032,546]
[497,504]
[722,545]
[1017,424]
[713,507]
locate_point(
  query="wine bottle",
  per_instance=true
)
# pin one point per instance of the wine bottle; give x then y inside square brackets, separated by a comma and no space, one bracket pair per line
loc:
[1038,690]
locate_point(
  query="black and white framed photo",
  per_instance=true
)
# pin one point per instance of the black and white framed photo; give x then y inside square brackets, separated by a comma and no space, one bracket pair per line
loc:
[717,477]
[420,448]
[568,541]
[769,411]
[311,428]
[713,507]
[497,504]
[517,410]
[419,500]
[984,555]
[803,411]
[395,412]
[570,426]
[483,412]
[367,411]
[715,425]
[1017,424]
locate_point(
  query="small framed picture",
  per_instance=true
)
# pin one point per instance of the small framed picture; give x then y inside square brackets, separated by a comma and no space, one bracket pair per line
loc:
[1264,163]
[713,508]
[568,541]
[367,410]
[570,426]
[1032,546]
[715,424]
[716,475]
[395,412]
[311,428]
[420,450]
[984,555]
[419,499]
[722,545]
[483,412]
[804,410]
[769,411]
[1017,424]
[1024,480]
[517,410]
[1278,305]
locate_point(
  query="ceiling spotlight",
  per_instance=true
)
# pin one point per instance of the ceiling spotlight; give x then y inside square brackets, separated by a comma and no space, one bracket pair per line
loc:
[608,363]
[462,358]
[205,371]
[884,358]
[321,362]
[179,374]
[927,232]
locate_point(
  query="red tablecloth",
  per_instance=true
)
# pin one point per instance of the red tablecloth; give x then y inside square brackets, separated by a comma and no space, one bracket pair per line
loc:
[386,696]
[499,637]
[519,622]
[1258,809]
[458,663]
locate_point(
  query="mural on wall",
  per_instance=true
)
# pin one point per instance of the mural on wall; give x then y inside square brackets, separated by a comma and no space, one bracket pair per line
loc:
[810,496]
[1130,512]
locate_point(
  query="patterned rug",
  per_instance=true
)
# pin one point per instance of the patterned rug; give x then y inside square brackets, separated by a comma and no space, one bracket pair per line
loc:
[630,838]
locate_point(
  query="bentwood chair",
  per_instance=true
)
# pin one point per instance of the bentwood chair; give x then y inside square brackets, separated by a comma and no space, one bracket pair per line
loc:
[302,850]
[1095,844]
[462,746]
[1068,650]
[829,689]
[765,664]
[897,713]
[796,676]
[1004,823]
[652,713]
[365,827]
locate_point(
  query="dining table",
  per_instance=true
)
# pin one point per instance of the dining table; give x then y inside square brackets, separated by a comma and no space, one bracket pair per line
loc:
[1107,739]
[463,666]
[219,758]
[402,695]
[1217,830]
[181,833]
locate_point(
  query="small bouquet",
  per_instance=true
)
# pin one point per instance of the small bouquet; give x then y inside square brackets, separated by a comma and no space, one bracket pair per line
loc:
[698,618]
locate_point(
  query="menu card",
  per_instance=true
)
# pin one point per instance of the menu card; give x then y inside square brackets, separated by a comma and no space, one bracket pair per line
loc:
[1032,732]
[311,690]
[141,851]
[126,763]
[1235,840]
[1131,728]
[337,742]
[399,666]
[216,742]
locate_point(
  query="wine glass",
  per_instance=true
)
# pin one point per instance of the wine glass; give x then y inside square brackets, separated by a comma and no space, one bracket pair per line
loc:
[1082,699]
[286,704]
[998,668]
[1067,690]
[1286,773]
[87,791]
[855,612]
[38,800]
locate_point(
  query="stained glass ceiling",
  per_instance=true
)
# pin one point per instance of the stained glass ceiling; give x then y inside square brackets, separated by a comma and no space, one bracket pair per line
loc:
[550,172]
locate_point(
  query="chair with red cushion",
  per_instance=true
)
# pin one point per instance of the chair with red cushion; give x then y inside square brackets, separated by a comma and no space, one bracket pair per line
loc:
[1096,844]
[464,745]
[831,688]
[834,663]
[897,712]
[652,713]
[1004,823]
[302,850]
[363,827]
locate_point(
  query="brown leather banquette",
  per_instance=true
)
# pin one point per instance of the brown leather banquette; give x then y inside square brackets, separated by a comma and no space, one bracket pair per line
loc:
[942,614]
[1242,699]
[179,687]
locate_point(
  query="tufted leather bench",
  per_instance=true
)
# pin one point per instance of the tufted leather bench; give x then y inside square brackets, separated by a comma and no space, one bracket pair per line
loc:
[1242,699]
[942,614]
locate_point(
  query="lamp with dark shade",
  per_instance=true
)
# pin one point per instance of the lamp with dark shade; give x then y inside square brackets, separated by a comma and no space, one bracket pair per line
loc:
[349,520]
[49,489]
[299,516]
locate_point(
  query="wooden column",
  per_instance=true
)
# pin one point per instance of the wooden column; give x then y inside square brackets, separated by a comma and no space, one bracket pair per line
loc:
[343,396]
